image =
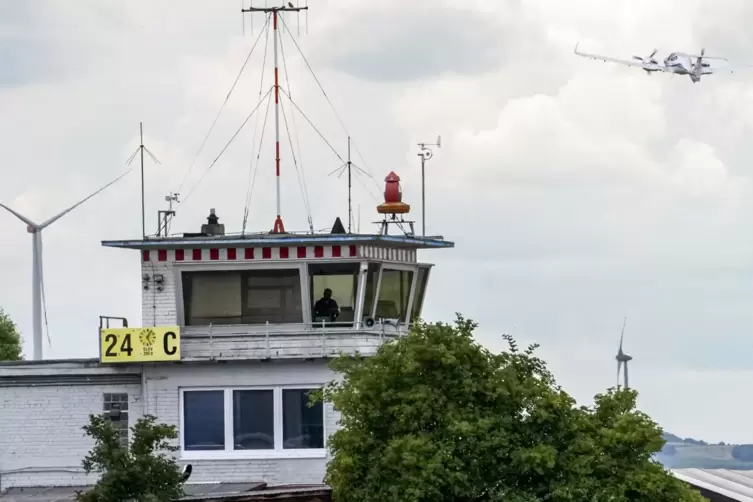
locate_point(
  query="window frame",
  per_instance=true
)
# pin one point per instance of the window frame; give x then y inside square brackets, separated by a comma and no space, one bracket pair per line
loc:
[229,452]
[359,276]
[428,269]
[414,280]
[240,268]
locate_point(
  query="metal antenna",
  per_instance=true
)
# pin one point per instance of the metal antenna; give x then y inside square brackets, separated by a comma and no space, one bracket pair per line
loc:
[339,171]
[141,149]
[164,217]
[278,227]
[425,155]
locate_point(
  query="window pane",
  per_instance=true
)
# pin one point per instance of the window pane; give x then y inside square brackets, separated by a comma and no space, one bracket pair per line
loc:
[394,293]
[302,425]
[333,293]
[272,296]
[418,301]
[253,420]
[372,276]
[212,297]
[203,420]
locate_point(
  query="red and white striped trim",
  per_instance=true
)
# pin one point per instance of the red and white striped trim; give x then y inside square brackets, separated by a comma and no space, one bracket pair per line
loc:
[389,254]
[249,254]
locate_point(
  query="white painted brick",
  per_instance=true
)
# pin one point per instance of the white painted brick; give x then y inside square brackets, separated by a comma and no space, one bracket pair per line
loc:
[42,442]
[41,437]
[163,391]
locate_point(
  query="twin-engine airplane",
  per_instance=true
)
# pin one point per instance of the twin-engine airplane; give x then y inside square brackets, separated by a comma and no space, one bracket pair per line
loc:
[678,63]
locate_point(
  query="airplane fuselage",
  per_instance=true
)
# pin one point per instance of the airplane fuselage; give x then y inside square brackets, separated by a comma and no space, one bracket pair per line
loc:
[682,64]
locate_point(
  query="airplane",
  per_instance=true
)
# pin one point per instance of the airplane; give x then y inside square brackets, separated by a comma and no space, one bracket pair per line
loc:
[677,63]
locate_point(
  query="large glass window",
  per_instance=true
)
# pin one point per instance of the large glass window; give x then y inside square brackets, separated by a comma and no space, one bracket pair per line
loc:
[334,287]
[253,420]
[242,297]
[203,420]
[302,424]
[212,298]
[272,295]
[372,278]
[394,294]
[261,422]
[418,298]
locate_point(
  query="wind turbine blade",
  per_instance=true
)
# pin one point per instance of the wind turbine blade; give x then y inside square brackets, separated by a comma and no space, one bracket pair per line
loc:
[19,216]
[622,335]
[627,386]
[60,215]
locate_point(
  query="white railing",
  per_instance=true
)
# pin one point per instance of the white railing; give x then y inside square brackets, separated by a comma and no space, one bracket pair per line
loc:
[271,341]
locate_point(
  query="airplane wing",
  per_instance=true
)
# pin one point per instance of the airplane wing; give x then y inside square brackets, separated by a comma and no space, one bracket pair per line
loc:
[626,62]
[731,69]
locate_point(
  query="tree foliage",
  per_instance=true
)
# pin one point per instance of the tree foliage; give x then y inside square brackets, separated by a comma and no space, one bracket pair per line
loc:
[143,472]
[10,339]
[435,417]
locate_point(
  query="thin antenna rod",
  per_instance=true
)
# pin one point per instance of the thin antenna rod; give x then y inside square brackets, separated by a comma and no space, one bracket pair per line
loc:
[279,227]
[350,200]
[143,204]
[141,148]
[425,155]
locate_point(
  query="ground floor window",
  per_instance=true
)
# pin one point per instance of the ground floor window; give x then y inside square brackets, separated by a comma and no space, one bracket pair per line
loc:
[231,422]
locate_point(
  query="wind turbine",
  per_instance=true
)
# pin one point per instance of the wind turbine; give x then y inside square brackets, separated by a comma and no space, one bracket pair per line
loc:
[37,285]
[622,358]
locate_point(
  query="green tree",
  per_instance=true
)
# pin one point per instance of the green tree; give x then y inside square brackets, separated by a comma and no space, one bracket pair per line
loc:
[10,339]
[143,472]
[435,417]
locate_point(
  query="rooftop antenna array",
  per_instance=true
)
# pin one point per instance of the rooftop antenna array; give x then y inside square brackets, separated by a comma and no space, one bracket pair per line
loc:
[140,150]
[425,154]
[276,12]
[340,170]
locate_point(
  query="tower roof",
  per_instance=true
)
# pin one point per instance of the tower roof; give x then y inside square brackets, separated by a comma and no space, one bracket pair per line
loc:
[267,239]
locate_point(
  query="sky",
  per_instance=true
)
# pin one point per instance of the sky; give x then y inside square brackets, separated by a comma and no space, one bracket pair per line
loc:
[577,192]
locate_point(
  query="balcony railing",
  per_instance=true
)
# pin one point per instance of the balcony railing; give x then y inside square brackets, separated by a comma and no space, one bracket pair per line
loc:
[294,341]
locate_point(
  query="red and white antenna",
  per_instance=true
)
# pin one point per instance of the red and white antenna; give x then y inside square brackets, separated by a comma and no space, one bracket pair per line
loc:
[279,227]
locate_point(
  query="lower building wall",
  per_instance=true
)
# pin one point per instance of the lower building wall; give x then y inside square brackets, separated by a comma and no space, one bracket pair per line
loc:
[163,388]
[42,442]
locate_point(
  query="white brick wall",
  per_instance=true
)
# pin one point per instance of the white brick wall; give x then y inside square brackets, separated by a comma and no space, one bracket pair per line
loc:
[42,442]
[158,308]
[163,391]
[41,438]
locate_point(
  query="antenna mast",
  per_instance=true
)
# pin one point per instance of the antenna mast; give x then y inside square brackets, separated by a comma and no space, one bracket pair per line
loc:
[425,155]
[350,184]
[140,150]
[278,228]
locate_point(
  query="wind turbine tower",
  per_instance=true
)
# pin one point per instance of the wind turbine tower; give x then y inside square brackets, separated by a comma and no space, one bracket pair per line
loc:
[622,358]
[37,281]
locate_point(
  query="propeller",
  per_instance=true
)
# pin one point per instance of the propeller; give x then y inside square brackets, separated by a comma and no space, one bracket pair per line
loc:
[649,59]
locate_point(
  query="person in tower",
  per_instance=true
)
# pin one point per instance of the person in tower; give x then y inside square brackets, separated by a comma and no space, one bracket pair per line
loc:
[326,307]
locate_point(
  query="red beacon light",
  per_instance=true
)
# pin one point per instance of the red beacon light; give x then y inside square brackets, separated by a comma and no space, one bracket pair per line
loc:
[393,197]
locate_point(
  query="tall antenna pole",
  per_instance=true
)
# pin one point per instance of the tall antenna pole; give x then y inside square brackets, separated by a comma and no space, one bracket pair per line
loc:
[350,202]
[278,228]
[425,155]
[141,148]
[143,204]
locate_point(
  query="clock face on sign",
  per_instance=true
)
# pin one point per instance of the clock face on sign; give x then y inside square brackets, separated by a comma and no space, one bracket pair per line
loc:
[147,337]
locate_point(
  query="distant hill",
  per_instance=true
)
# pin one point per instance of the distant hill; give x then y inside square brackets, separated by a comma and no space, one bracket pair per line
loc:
[679,453]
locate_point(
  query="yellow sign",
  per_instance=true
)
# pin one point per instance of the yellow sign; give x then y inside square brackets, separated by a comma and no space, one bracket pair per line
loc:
[139,345]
